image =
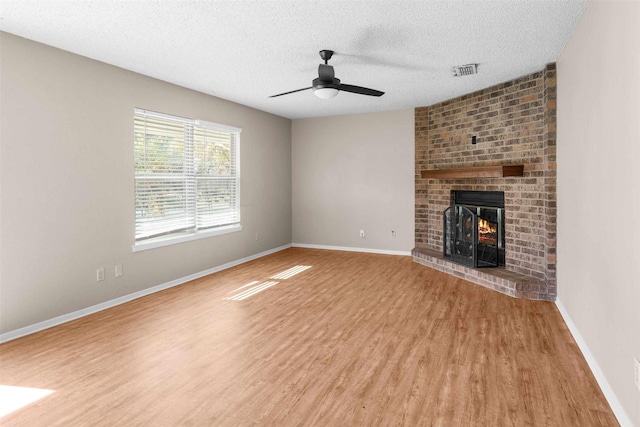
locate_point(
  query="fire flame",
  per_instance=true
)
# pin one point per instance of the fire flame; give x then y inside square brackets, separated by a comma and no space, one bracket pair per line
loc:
[484,227]
[486,233]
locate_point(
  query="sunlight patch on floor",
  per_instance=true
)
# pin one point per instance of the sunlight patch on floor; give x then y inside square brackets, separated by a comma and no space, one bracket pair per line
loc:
[13,398]
[251,291]
[242,287]
[259,287]
[290,272]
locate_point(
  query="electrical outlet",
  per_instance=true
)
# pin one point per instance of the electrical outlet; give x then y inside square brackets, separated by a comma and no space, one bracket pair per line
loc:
[636,368]
[100,274]
[362,234]
[118,271]
[393,233]
[257,236]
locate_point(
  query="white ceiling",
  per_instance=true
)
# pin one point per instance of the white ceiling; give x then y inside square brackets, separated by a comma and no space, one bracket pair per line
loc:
[245,51]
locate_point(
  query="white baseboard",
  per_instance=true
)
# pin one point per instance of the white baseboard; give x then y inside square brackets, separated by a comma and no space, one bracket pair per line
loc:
[608,392]
[8,336]
[348,249]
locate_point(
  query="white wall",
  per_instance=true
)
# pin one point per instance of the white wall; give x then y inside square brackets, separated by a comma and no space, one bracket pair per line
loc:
[352,173]
[599,191]
[67,204]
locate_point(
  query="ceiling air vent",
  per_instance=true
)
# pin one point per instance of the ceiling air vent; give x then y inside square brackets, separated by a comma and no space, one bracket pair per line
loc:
[464,70]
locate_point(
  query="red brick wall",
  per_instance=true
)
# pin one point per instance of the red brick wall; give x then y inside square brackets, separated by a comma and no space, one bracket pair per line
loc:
[515,124]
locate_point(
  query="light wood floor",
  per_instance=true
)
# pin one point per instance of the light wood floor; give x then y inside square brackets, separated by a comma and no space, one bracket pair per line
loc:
[355,340]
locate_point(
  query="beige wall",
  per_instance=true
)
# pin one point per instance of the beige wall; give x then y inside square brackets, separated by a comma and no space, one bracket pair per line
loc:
[353,173]
[67,183]
[599,190]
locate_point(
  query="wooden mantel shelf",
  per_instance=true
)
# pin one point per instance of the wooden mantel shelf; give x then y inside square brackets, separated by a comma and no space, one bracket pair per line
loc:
[475,172]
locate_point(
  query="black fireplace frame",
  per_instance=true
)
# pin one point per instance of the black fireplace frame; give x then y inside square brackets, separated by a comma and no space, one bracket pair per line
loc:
[477,201]
[460,238]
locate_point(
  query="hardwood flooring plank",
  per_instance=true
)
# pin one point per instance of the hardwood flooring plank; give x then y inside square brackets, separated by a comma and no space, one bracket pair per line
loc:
[351,339]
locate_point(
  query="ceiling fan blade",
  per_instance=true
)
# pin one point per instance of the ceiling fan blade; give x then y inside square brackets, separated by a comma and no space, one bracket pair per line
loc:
[326,73]
[293,91]
[360,90]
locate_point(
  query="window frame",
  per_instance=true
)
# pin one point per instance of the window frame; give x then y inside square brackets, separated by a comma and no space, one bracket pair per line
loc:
[193,233]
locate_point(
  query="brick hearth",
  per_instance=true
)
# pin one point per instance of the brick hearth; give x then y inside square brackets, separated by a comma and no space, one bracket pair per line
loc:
[499,279]
[514,123]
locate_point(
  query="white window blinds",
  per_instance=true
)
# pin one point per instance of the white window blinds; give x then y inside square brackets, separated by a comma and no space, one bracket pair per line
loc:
[187,175]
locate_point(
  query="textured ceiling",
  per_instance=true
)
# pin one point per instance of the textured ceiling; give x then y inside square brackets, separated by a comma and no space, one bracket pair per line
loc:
[245,51]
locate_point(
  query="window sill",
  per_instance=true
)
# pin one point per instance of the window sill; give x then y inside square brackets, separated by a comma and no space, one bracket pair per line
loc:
[174,239]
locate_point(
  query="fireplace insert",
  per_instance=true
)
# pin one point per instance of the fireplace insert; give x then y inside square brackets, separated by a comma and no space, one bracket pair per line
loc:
[474,228]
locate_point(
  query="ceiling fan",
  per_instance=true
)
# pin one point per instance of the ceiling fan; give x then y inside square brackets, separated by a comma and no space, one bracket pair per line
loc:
[327,85]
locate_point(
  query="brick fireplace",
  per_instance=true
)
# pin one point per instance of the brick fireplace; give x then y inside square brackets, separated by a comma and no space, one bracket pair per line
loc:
[513,124]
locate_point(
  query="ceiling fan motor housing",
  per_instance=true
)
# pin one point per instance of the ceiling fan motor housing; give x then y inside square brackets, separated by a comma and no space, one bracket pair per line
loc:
[325,84]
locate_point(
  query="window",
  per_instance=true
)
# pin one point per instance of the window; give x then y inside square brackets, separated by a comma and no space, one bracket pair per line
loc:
[187,179]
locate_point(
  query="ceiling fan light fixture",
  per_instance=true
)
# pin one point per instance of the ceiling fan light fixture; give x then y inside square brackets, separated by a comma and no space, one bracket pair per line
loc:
[325,92]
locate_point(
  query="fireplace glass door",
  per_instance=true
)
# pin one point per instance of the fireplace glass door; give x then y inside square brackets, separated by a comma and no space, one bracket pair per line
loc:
[471,236]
